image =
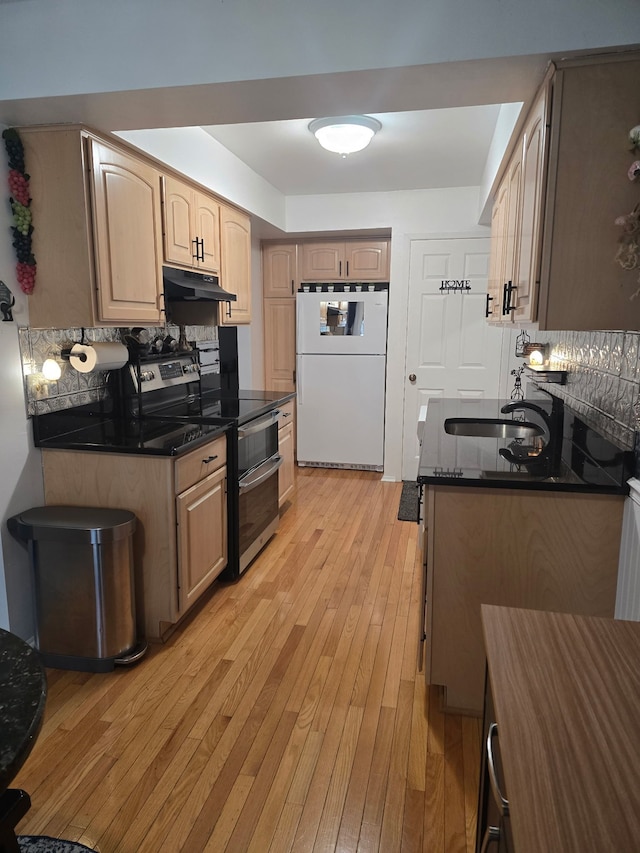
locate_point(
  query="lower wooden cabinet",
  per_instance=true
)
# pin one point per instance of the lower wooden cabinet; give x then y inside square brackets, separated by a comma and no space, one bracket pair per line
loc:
[180,542]
[542,550]
[286,437]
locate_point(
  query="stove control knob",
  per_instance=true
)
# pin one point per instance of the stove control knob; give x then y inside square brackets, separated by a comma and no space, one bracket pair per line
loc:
[191,368]
[147,375]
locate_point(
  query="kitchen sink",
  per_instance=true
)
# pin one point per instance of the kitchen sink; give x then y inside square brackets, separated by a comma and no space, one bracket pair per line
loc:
[492,428]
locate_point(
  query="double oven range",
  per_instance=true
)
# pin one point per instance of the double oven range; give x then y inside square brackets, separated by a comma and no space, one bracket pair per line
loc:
[183,392]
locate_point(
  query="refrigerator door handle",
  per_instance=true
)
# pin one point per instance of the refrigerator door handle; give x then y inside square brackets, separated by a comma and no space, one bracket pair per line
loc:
[299,383]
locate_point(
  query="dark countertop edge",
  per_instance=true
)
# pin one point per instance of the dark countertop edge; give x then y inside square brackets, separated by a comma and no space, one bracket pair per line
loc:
[524,485]
[66,442]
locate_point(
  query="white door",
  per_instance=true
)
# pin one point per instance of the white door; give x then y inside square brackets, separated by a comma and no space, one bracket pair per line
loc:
[451,349]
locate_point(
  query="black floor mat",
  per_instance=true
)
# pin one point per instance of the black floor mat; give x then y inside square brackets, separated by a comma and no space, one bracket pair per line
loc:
[409,501]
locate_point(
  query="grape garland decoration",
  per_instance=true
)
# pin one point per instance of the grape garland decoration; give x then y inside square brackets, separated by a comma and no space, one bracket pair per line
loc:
[20,202]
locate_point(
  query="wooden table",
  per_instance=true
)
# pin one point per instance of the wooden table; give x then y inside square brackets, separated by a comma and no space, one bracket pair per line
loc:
[566,693]
[23,692]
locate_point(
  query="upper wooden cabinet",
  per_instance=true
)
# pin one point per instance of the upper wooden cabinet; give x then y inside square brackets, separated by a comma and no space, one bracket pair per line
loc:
[191,227]
[97,231]
[235,274]
[573,158]
[279,270]
[351,260]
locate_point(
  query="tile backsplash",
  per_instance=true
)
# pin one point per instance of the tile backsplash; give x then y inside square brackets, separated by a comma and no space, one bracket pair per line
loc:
[74,388]
[603,378]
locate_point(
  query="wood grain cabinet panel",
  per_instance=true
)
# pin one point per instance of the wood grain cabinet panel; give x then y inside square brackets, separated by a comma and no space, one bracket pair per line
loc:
[279,344]
[180,542]
[286,470]
[191,227]
[235,249]
[353,260]
[98,234]
[279,270]
[553,551]
[574,157]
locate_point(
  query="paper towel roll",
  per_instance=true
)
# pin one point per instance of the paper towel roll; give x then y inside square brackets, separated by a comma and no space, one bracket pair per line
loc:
[99,356]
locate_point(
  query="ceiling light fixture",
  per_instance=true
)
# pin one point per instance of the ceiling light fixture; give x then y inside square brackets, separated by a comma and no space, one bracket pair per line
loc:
[345,134]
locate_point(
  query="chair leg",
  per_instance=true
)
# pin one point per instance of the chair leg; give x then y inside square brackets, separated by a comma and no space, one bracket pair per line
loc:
[14,804]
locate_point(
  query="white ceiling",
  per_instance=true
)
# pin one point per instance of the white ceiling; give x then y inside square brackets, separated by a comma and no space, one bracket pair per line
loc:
[414,150]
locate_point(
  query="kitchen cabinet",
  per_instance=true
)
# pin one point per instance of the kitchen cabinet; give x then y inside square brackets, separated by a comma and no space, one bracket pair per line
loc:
[573,156]
[563,694]
[504,234]
[286,435]
[539,549]
[279,270]
[97,231]
[279,282]
[280,344]
[235,275]
[180,543]
[351,260]
[191,221]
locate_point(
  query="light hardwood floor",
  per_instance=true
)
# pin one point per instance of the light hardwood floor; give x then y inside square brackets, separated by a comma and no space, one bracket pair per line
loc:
[287,714]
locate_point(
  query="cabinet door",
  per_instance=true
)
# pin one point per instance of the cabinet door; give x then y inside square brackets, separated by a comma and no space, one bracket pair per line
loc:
[201,514]
[322,261]
[285,472]
[127,236]
[279,270]
[207,230]
[279,344]
[512,234]
[235,249]
[367,261]
[179,245]
[533,186]
[497,257]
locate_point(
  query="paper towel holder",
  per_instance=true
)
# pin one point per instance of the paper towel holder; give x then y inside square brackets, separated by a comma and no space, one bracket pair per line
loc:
[66,352]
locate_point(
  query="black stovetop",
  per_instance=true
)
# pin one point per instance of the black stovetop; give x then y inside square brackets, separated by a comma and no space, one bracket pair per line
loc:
[173,430]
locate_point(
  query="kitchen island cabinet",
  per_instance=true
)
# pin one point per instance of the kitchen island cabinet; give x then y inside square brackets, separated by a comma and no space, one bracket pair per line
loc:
[191,222]
[180,543]
[524,525]
[573,155]
[565,693]
[97,231]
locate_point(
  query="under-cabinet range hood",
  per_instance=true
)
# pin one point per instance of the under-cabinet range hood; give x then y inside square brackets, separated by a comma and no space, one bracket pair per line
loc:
[184,286]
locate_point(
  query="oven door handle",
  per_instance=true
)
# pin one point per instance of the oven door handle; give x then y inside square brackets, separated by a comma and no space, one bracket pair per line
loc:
[260,474]
[260,424]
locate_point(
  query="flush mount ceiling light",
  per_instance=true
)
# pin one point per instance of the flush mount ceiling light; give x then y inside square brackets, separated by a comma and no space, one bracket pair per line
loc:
[345,134]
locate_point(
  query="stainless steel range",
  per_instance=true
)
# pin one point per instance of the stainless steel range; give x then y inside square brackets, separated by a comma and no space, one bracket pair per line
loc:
[190,388]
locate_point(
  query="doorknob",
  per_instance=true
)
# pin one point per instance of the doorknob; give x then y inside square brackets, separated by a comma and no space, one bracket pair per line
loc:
[412,377]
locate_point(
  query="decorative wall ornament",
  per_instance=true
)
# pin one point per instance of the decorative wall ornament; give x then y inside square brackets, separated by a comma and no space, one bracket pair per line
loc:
[20,202]
[628,254]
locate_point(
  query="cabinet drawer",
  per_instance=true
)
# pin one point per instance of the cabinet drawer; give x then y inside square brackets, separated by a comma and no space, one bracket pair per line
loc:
[287,414]
[200,463]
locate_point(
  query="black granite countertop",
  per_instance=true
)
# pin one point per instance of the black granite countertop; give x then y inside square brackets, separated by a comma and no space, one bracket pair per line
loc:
[23,693]
[569,455]
[174,430]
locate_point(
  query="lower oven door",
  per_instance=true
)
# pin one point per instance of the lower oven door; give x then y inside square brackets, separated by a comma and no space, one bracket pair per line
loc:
[258,513]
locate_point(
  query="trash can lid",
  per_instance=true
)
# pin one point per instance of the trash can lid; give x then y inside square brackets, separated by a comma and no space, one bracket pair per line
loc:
[73,524]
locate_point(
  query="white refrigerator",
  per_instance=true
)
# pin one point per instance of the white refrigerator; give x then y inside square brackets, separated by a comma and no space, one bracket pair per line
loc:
[341,365]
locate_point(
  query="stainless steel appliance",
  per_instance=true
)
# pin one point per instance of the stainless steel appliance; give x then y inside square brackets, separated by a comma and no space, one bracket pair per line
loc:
[200,389]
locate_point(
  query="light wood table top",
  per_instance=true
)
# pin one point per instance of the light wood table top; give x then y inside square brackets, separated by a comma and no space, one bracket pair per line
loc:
[566,694]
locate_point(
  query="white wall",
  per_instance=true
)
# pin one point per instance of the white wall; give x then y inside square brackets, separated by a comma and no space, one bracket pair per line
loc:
[21,481]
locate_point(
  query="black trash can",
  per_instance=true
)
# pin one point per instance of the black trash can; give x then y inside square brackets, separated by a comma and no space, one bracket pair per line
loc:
[82,563]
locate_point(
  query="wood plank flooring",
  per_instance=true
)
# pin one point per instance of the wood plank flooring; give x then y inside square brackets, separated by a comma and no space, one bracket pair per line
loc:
[286,714]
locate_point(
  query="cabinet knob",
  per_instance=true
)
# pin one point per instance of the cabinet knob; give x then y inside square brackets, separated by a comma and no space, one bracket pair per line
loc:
[412,377]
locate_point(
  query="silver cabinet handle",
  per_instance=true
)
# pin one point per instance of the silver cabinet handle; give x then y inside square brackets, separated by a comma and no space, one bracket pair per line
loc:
[500,799]
[260,423]
[260,474]
[491,836]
